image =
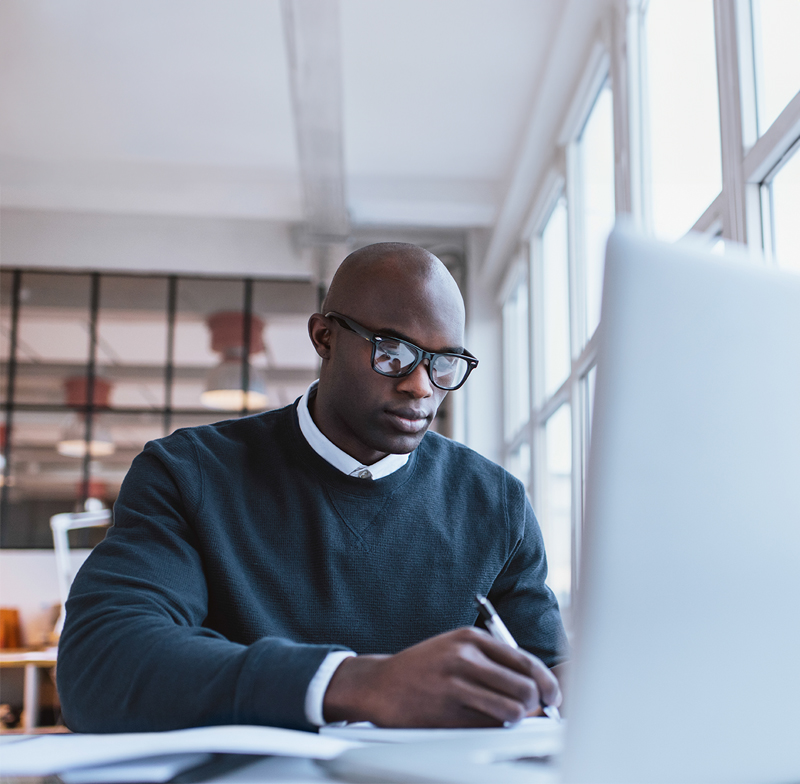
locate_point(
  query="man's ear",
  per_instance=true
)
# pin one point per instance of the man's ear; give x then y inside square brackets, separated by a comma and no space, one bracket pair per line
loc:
[320,333]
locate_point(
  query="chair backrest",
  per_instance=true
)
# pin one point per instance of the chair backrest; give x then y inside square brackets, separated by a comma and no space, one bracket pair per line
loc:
[61,525]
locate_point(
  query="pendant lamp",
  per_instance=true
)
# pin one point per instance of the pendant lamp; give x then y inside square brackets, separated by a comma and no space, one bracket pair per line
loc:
[225,387]
[73,440]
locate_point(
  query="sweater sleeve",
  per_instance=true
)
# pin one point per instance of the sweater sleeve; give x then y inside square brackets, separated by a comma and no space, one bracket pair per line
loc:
[135,656]
[519,594]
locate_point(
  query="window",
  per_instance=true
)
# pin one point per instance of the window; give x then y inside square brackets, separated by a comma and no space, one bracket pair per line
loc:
[658,154]
[684,131]
[566,268]
[516,351]
[552,483]
[519,463]
[596,172]
[555,299]
[516,364]
[587,401]
[782,208]
[132,339]
[556,503]
[94,366]
[775,29]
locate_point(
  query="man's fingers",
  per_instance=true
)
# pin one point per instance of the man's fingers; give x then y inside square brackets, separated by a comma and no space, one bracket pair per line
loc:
[523,662]
[484,671]
[459,678]
[493,704]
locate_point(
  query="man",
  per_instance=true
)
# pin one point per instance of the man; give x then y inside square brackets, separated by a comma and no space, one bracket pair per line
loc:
[252,559]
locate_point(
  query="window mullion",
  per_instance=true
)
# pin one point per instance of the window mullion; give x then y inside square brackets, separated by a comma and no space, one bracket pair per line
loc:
[745,49]
[553,403]
[576,266]
[734,221]
[534,248]
[626,79]
[576,512]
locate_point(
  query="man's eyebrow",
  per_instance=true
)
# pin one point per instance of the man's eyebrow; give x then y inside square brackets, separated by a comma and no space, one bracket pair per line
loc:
[393,333]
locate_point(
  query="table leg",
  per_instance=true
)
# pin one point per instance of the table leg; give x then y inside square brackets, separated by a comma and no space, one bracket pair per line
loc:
[30,699]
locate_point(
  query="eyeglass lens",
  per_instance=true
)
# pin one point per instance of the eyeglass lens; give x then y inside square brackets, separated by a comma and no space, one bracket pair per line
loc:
[393,358]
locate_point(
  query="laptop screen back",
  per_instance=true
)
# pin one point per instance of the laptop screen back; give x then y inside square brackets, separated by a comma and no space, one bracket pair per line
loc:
[687,662]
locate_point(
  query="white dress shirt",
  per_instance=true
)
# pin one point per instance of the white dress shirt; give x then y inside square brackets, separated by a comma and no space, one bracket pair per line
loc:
[350,466]
[338,459]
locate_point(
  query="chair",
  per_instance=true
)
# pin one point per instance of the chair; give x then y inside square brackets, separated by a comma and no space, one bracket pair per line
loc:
[61,524]
[33,661]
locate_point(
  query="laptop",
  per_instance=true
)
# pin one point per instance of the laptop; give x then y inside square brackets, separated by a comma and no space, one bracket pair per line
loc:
[686,661]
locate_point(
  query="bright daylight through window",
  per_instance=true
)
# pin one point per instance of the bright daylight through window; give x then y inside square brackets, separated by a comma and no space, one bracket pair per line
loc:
[596,150]
[555,299]
[556,503]
[776,26]
[664,165]
[685,161]
[516,354]
[783,193]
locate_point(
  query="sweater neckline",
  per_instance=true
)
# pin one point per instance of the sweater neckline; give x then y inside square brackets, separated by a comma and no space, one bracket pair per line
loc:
[338,480]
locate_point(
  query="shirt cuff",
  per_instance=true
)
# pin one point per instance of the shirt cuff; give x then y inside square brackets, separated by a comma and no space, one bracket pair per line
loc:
[315,693]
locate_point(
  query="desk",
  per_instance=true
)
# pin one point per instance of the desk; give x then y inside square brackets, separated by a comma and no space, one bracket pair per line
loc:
[454,756]
[276,770]
[32,661]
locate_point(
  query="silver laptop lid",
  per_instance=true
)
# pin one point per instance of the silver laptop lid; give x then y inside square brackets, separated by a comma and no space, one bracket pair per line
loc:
[687,663]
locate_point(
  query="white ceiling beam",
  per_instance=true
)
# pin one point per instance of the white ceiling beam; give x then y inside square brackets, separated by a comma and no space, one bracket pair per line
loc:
[313,45]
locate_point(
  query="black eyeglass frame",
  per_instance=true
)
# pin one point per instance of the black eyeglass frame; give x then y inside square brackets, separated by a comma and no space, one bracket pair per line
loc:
[421,354]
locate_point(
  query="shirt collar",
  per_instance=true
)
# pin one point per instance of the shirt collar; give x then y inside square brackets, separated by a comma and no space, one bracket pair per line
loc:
[335,456]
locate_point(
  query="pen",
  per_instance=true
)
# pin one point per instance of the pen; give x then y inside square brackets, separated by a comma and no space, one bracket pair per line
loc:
[498,630]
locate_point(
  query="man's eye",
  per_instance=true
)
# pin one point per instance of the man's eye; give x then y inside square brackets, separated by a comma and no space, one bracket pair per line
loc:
[391,349]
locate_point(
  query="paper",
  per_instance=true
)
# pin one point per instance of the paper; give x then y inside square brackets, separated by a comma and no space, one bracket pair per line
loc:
[52,754]
[151,770]
[369,733]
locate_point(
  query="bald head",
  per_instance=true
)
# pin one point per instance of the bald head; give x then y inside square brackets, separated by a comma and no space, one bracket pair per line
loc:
[394,275]
[394,290]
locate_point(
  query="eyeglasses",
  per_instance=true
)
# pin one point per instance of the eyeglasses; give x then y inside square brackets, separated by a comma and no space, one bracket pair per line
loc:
[396,358]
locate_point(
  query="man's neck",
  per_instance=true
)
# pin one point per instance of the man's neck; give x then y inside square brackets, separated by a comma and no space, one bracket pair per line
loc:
[365,457]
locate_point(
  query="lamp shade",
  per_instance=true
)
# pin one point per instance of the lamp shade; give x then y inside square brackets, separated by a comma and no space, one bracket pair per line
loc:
[224,386]
[224,391]
[73,439]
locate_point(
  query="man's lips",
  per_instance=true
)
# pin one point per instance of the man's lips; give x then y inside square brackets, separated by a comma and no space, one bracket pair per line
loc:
[409,420]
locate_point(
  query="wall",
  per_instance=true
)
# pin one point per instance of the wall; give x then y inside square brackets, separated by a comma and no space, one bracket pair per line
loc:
[149,243]
[28,582]
[484,392]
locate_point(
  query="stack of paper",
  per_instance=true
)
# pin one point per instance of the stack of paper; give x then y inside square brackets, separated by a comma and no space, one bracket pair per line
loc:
[154,756]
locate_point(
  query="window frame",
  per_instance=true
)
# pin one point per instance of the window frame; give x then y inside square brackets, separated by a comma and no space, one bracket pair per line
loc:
[92,413]
[563,180]
[740,212]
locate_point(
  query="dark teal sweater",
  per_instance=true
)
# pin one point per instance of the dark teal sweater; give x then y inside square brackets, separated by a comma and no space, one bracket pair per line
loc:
[239,559]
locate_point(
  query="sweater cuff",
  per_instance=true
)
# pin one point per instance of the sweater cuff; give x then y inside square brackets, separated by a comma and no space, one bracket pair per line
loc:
[319,685]
[273,681]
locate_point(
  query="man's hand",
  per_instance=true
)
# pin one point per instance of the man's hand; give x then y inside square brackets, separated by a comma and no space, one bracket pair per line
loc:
[463,678]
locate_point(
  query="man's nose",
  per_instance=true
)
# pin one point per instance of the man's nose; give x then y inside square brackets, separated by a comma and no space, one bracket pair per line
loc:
[418,382]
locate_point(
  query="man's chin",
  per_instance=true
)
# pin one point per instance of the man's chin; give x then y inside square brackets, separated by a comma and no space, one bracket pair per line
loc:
[402,443]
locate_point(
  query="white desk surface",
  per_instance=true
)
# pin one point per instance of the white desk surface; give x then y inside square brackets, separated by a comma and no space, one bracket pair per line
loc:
[41,755]
[277,770]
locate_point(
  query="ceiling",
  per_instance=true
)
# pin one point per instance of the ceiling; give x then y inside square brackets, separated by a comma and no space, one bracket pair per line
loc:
[262,139]
[414,110]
